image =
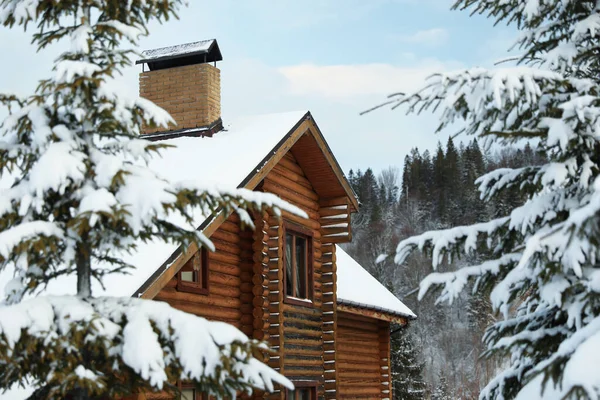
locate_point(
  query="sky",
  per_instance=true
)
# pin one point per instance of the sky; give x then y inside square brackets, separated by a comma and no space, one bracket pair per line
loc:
[335,58]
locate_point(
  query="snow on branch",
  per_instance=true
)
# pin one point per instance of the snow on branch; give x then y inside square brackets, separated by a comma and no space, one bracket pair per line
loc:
[495,104]
[454,282]
[83,342]
[501,178]
[443,241]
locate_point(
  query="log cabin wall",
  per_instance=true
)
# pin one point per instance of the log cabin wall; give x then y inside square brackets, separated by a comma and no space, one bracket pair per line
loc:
[362,358]
[295,331]
[229,297]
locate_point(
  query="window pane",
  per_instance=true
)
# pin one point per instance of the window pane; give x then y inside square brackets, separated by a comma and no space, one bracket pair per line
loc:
[188,394]
[303,394]
[301,267]
[187,276]
[289,277]
[197,264]
[187,272]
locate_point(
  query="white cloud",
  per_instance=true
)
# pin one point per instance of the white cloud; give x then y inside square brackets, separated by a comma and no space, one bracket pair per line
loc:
[430,37]
[343,81]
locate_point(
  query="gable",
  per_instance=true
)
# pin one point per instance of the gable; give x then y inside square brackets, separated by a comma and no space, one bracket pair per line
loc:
[303,141]
[316,160]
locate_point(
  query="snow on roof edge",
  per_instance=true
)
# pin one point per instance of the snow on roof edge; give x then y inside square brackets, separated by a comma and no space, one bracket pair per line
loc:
[375,308]
[355,285]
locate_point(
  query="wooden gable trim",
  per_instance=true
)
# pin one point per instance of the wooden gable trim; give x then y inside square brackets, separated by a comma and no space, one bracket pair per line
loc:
[370,313]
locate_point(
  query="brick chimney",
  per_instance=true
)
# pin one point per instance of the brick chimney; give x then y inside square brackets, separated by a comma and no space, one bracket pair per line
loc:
[185,81]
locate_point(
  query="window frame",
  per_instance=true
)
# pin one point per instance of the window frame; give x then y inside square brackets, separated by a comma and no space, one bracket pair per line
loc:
[310,385]
[195,287]
[197,396]
[308,235]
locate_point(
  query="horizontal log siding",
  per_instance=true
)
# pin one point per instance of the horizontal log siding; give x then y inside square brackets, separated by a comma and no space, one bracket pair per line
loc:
[228,278]
[362,357]
[300,329]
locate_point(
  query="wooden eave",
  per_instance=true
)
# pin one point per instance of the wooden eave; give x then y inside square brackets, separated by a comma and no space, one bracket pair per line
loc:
[304,128]
[380,314]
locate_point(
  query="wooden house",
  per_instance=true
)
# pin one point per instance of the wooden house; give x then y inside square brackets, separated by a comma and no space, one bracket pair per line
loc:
[287,282]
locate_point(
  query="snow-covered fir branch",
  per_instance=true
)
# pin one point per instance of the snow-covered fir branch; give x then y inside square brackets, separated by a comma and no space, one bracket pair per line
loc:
[146,344]
[542,274]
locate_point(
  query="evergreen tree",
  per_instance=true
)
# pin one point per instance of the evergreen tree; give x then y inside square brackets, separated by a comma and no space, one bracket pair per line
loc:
[407,367]
[406,181]
[452,184]
[473,168]
[439,192]
[441,392]
[79,196]
[543,271]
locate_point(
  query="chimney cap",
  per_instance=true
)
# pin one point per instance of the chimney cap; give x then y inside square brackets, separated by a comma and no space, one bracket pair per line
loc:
[203,51]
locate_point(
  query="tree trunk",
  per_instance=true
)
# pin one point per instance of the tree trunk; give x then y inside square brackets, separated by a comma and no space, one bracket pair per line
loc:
[84,270]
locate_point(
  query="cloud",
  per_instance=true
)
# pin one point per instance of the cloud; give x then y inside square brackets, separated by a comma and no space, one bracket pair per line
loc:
[430,37]
[343,81]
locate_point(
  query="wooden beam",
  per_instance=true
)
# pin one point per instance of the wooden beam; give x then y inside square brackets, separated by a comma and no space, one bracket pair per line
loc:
[365,312]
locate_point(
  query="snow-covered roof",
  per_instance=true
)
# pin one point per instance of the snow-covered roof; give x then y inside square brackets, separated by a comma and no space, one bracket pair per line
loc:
[355,286]
[226,160]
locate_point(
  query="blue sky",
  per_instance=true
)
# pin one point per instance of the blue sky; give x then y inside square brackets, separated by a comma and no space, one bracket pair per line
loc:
[332,57]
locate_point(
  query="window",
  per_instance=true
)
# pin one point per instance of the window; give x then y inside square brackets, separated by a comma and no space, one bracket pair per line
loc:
[302,393]
[188,392]
[193,276]
[298,263]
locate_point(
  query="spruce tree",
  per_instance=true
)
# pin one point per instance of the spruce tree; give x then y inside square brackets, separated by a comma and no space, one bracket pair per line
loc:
[440,193]
[78,196]
[543,274]
[407,367]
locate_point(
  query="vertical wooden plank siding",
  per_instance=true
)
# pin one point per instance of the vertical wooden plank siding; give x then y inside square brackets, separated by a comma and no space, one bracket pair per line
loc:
[362,351]
[225,301]
[384,359]
[300,327]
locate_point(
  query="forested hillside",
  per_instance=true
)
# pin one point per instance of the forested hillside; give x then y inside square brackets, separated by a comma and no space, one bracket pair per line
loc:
[440,352]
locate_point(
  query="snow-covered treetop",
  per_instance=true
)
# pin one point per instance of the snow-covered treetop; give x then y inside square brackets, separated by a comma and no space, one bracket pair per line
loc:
[543,274]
